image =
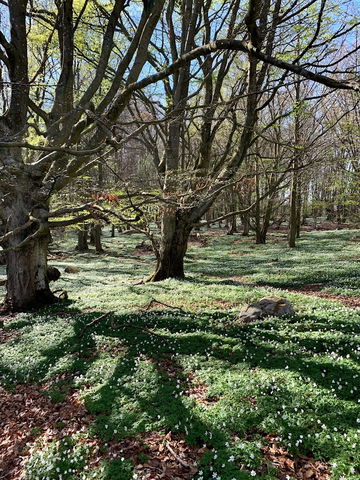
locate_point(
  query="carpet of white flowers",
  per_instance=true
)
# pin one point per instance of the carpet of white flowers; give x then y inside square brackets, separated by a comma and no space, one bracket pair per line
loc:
[131,380]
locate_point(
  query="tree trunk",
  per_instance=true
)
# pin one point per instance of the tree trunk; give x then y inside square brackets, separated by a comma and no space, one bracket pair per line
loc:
[298,213]
[27,283]
[259,234]
[294,228]
[26,254]
[82,245]
[293,210]
[92,234]
[175,231]
[262,231]
[246,224]
[97,238]
[233,228]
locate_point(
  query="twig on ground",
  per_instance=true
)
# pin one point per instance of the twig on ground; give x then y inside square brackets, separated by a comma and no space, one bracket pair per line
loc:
[184,464]
[95,321]
[153,301]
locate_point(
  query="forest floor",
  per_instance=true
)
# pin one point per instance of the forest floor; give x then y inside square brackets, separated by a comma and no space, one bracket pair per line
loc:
[131,380]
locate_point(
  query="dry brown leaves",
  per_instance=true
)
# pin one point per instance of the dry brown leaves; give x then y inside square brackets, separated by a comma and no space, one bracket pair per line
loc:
[168,456]
[27,416]
[199,391]
[7,335]
[27,413]
[316,290]
[302,468]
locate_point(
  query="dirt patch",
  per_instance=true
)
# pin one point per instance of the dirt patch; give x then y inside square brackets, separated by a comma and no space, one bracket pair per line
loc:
[304,467]
[311,287]
[221,304]
[315,289]
[323,226]
[350,259]
[199,391]
[26,413]
[7,335]
[198,239]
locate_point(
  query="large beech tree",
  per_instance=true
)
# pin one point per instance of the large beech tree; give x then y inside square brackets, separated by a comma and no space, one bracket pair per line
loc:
[68,72]
[215,106]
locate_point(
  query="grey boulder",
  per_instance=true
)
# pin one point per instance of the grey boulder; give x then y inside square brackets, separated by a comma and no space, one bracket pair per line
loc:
[266,307]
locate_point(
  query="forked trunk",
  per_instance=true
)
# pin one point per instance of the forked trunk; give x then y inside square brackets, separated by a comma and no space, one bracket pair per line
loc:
[26,249]
[27,283]
[175,231]
[233,227]
[260,236]
[26,267]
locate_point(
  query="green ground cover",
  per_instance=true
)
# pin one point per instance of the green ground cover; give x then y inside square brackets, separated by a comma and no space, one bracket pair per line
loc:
[295,377]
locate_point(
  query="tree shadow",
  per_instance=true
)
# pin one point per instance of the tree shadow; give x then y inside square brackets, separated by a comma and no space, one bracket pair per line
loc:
[138,390]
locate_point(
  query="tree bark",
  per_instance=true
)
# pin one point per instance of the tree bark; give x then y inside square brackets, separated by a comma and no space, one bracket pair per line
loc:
[27,282]
[233,226]
[246,224]
[293,209]
[26,255]
[294,196]
[97,238]
[82,245]
[175,231]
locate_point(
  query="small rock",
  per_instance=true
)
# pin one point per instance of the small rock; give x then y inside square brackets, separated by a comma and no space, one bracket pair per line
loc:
[70,269]
[266,307]
[250,314]
[274,306]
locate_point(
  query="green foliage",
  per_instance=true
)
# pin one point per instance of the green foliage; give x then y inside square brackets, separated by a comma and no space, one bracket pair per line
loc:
[296,376]
[59,459]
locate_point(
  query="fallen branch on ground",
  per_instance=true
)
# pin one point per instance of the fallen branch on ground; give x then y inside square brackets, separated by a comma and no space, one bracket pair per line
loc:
[154,301]
[180,460]
[95,321]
